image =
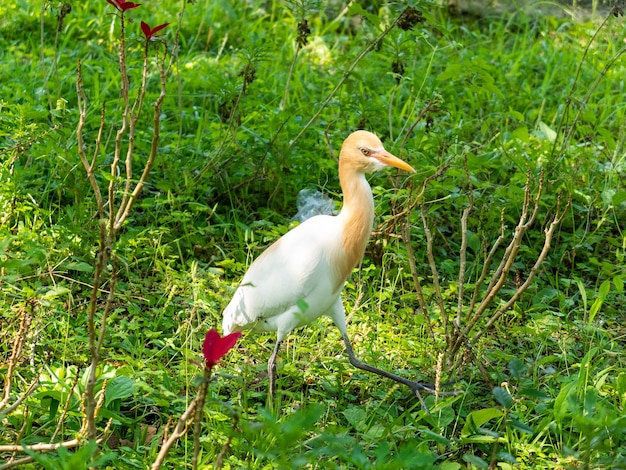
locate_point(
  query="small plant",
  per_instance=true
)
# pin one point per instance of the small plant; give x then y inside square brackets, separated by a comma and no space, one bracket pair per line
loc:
[213,349]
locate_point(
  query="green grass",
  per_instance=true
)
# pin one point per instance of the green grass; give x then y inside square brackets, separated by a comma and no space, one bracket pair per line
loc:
[509,93]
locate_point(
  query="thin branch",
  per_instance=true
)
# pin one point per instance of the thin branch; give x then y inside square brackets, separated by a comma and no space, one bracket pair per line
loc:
[154,148]
[125,121]
[82,116]
[43,446]
[416,280]
[179,431]
[463,249]
[501,274]
[101,262]
[31,388]
[549,232]
[66,408]
[17,352]
[371,45]
[202,391]
[435,272]
[486,264]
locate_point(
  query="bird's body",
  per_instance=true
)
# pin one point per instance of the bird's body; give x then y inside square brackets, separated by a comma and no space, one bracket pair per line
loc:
[302,288]
[300,277]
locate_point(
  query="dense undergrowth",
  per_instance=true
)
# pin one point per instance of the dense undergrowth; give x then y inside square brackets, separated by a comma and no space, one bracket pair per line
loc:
[483,106]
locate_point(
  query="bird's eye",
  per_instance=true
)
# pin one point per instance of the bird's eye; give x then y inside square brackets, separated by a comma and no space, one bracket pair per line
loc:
[365,151]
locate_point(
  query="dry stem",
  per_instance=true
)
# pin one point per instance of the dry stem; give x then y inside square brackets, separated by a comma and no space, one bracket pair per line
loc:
[25,322]
[179,431]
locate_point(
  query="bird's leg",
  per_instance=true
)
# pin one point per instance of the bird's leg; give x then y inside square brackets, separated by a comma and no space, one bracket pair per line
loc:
[414,386]
[271,369]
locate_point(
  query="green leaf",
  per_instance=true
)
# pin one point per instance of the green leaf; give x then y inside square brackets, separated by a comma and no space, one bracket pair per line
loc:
[452,72]
[119,388]
[477,418]
[618,197]
[56,292]
[534,393]
[605,287]
[356,9]
[522,134]
[562,403]
[503,396]
[447,465]
[524,428]
[546,132]
[517,368]
[429,435]
[80,266]
[621,387]
[357,417]
[476,461]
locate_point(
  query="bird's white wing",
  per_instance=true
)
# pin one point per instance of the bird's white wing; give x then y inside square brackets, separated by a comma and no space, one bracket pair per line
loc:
[291,283]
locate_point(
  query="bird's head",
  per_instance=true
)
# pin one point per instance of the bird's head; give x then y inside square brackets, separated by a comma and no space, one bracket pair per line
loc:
[363,152]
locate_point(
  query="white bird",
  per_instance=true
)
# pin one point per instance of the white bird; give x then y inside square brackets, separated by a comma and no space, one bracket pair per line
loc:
[300,277]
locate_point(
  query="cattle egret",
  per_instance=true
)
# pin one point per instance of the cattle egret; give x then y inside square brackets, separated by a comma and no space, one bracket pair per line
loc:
[300,277]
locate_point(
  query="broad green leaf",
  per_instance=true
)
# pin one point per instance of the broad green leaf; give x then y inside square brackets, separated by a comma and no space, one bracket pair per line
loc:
[534,393]
[477,418]
[429,435]
[522,134]
[356,9]
[452,72]
[605,287]
[503,396]
[517,368]
[80,266]
[585,369]
[119,388]
[546,132]
[447,465]
[477,461]
[517,116]
[56,292]
[561,402]
[618,197]
[356,416]
[515,424]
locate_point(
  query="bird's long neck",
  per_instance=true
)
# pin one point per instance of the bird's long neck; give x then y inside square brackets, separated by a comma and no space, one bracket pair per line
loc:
[356,218]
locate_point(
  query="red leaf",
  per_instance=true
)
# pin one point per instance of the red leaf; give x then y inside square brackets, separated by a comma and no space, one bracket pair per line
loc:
[128,5]
[145,29]
[123,5]
[215,346]
[114,3]
[148,32]
[156,29]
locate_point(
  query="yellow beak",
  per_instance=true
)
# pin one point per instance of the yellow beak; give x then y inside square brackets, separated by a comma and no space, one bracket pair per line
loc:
[388,159]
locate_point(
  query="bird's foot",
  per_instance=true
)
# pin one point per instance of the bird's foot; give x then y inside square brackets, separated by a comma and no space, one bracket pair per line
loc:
[418,387]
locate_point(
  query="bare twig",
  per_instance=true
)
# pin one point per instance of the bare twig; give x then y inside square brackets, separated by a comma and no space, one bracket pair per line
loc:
[31,388]
[27,316]
[154,147]
[178,432]
[435,272]
[82,116]
[416,280]
[371,45]
[68,401]
[463,249]
[43,446]
[549,232]
[202,391]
